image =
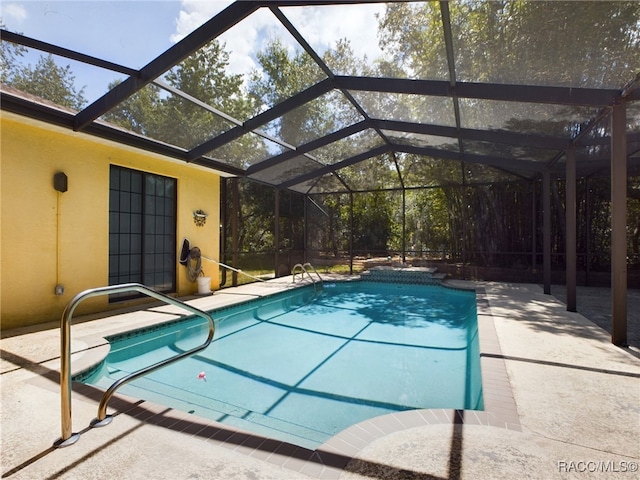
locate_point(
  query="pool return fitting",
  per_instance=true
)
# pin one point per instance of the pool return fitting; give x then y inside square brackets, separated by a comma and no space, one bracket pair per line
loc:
[68,437]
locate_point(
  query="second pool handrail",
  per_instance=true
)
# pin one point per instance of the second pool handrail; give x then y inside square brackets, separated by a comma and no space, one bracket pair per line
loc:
[303,268]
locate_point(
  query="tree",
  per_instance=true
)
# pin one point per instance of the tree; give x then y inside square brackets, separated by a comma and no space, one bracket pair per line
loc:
[255,222]
[204,76]
[426,220]
[46,79]
[9,58]
[141,113]
[519,41]
[373,225]
[283,76]
[412,34]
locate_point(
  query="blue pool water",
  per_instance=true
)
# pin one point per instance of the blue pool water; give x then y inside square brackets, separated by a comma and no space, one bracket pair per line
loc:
[302,366]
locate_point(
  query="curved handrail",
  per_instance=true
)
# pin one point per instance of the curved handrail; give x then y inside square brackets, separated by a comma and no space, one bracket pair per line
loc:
[304,270]
[67,437]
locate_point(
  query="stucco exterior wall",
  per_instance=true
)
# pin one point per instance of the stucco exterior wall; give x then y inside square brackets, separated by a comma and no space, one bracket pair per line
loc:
[50,238]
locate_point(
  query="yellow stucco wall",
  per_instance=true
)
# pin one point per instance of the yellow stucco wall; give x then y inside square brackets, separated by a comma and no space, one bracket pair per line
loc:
[50,238]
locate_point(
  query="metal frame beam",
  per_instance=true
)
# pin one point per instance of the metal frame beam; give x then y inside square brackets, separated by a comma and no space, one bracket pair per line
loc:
[64,52]
[308,147]
[61,118]
[336,166]
[508,164]
[85,119]
[492,136]
[510,138]
[483,91]
[230,16]
[265,117]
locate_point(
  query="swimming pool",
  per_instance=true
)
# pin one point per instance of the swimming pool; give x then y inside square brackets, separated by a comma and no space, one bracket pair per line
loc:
[302,366]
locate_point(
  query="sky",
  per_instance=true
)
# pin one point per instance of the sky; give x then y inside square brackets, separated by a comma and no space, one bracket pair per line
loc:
[132,33]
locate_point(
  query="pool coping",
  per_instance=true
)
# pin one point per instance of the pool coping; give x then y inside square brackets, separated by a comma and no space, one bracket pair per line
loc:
[330,458]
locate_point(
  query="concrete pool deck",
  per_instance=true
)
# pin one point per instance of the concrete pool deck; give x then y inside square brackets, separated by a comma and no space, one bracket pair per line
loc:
[566,406]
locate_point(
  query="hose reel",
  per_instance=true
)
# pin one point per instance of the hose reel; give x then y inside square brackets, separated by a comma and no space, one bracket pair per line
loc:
[192,259]
[194,264]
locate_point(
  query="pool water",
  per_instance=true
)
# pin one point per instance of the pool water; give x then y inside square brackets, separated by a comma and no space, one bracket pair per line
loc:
[302,366]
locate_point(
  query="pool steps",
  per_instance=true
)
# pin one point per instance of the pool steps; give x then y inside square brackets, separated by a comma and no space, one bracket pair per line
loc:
[237,416]
[413,275]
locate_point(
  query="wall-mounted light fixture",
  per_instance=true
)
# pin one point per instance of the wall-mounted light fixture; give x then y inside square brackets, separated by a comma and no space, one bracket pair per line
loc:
[199,218]
[60,182]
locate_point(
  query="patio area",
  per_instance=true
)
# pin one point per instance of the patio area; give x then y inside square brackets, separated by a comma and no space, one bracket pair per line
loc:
[568,406]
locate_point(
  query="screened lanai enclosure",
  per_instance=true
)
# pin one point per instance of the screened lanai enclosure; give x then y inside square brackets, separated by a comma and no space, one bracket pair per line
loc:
[495,140]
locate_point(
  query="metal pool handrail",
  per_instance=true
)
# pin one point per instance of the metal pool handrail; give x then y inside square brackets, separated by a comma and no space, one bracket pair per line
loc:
[304,270]
[68,438]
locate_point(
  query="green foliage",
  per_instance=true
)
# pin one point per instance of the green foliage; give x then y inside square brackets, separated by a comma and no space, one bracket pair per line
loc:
[204,76]
[343,61]
[282,77]
[10,54]
[141,113]
[46,79]
[328,222]
[519,41]
[373,224]
[426,220]
[412,34]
